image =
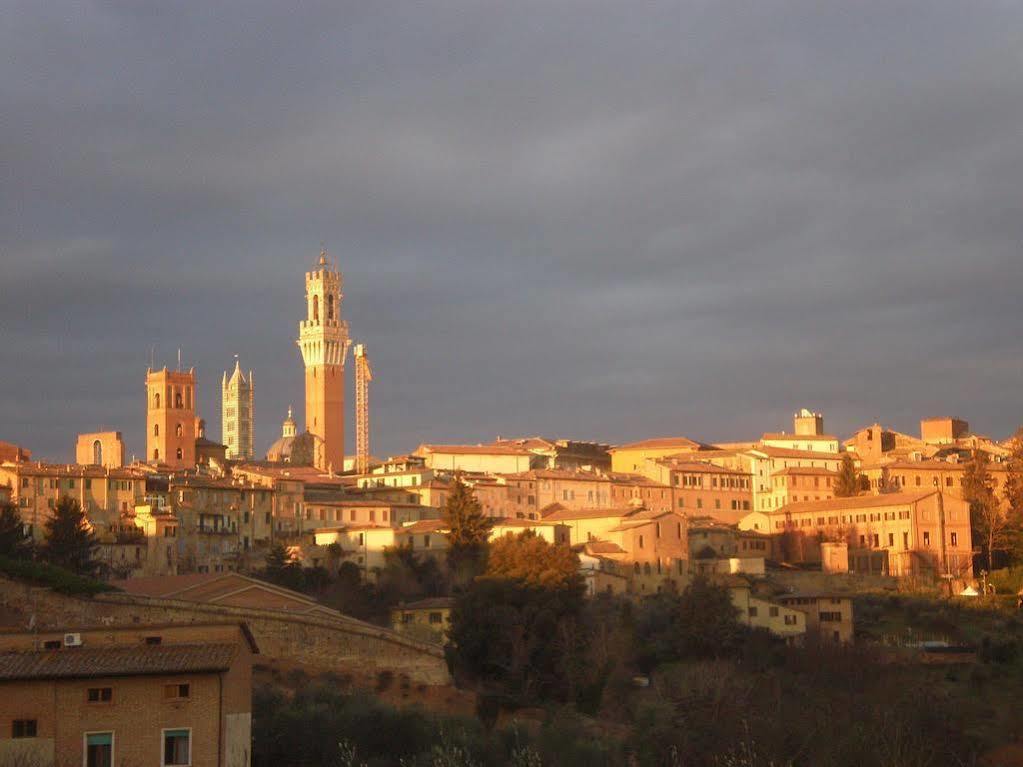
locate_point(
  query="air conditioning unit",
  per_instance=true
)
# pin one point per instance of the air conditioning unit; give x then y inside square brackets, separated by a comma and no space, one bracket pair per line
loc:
[72,640]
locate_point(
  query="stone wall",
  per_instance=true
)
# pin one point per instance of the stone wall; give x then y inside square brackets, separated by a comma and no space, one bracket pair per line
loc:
[320,643]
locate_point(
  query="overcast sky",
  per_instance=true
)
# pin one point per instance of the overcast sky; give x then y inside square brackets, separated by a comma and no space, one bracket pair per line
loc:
[580,219]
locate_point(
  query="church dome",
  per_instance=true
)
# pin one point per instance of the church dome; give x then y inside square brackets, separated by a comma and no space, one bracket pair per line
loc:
[298,451]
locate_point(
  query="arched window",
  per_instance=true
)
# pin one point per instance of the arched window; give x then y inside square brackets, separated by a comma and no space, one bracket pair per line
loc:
[179,454]
[177,399]
[177,430]
[156,430]
[330,306]
[156,454]
[97,453]
[636,568]
[316,308]
[646,568]
[156,400]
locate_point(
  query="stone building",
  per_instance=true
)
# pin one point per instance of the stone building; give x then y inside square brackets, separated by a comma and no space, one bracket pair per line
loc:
[101,448]
[238,414]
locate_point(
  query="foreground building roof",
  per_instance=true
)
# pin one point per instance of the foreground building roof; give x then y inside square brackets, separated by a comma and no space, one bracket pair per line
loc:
[87,662]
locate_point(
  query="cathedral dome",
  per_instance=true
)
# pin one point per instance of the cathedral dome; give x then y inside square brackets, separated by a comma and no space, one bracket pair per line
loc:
[300,450]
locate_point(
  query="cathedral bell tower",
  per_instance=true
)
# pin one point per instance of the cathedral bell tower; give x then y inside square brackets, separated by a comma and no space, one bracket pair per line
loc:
[323,339]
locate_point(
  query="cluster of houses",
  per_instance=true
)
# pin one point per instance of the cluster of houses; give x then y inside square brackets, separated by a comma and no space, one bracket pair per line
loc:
[640,516]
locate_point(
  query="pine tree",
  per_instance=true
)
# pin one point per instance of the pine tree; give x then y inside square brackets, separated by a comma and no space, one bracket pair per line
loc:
[14,541]
[70,542]
[849,481]
[991,527]
[468,532]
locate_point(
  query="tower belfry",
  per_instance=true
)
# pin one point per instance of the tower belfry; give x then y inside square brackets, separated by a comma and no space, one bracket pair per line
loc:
[323,339]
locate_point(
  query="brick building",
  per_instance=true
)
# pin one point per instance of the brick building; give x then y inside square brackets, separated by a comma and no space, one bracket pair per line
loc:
[167,695]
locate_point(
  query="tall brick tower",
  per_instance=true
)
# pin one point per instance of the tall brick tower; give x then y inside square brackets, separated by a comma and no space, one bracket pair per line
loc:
[170,417]
[323,339]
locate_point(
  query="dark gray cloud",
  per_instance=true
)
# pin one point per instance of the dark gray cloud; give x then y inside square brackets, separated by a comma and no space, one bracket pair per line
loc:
[599,220]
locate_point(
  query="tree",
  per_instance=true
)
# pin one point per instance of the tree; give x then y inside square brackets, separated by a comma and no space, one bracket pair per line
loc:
[14,541]
[991,526]
[849,482]
[529,558]
[282,569]
[702,622]
[70,542]
[468,532]
[1012,492]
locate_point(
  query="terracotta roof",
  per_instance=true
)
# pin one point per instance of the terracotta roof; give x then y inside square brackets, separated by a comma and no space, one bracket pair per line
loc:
[784,452]
[661,443]
[424,526]
[563,514]
[698,466]
[800,470]
[73,470]
[135,660]
[801,437]
[855,502]
[476,449]
[603,547]
[582,476]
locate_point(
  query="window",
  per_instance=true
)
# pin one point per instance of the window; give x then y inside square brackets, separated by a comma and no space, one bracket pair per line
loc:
[753,612]
[151,640]
[23,728]
[641,541]
[156,454]
[97,453]
[831,617]
[99,749]
[955,539]
[435,618]
[316,308]
[179,454]
[773,611]
[177,747]
[927,538]
[99,694]
[176,691]
[177,430]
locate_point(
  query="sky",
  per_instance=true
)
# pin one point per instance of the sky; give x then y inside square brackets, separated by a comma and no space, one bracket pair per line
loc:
[582,219]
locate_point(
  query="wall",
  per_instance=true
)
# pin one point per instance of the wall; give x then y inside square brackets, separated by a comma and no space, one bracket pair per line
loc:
[320,643]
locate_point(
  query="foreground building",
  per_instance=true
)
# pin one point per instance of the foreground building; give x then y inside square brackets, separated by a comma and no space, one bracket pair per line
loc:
[167,695]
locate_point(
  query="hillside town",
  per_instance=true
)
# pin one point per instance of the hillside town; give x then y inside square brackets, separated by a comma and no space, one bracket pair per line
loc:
[792,524]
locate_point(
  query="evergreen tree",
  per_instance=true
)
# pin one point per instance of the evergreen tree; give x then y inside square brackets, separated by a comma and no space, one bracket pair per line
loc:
[849,481]
[529,558]
[14,541]
[991,526]
[469,531]
[70,542]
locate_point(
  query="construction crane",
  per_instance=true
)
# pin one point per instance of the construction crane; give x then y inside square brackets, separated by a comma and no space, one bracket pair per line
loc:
[363,375]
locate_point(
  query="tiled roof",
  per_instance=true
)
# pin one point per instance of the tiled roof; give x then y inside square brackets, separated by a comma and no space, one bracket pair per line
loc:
[784,452]
[430,603]
[855,502]
[660,443]
[562,514]
[801,437]
[676,464]
[475,449]
[801,470]
[423,526]
[88,662]
[603,547]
